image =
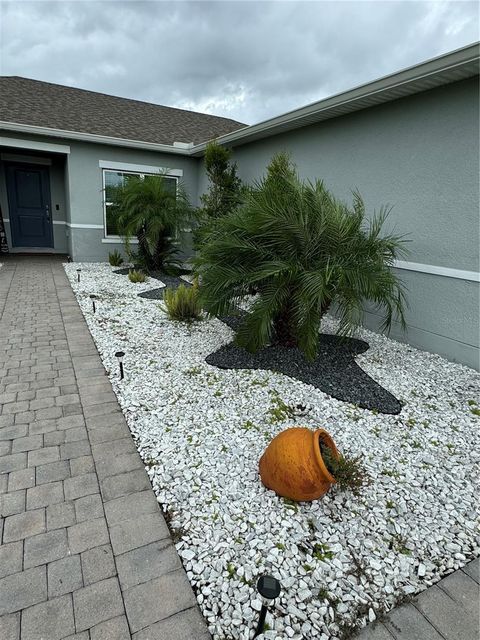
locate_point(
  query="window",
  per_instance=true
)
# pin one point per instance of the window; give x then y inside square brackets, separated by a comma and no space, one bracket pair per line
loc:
[113,179]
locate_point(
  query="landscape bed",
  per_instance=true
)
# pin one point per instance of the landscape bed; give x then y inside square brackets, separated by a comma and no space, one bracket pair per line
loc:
[201,431]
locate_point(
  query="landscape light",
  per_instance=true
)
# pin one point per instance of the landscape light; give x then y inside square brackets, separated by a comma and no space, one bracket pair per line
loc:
[93,298]
[269,589]
[119,355]
[78,275]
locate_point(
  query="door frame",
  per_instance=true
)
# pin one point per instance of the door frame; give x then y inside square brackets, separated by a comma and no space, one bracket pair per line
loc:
[12,211]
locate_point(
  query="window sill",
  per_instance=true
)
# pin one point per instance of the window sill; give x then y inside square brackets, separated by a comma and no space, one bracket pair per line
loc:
[117,240]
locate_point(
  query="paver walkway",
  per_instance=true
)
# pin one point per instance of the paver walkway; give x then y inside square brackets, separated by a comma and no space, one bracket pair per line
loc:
[85,552]
[450,610]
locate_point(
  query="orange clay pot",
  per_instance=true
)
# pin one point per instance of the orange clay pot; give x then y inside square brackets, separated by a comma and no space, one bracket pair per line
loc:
[293,467]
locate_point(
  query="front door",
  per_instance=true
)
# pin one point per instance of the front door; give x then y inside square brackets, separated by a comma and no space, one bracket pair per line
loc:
[28,189]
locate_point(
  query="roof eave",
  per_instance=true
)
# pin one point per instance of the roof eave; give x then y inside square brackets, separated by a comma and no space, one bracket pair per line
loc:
[445,69]
[93,138]
[457,65]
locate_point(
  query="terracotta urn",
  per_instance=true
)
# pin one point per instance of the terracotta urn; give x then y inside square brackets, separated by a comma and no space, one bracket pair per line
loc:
[293,467]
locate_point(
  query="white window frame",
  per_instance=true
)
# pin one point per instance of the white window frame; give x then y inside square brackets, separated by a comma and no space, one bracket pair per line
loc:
[131,169]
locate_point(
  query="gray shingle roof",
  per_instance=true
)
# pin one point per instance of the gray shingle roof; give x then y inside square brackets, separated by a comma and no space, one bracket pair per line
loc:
[43,104]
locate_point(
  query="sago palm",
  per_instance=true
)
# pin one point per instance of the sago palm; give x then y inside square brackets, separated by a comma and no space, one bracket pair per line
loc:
[303,251]
[148,209]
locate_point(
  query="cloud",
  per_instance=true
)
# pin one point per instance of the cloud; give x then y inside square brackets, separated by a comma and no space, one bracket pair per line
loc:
[244,60]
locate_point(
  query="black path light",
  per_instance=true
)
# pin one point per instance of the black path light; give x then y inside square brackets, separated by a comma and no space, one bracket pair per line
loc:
[119,355]
[269,588]
[78,274]
[93,297]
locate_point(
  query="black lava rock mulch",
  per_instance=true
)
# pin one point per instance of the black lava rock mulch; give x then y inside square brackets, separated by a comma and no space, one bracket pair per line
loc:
[153,294]
[334,371]
[124,271]
[234,321]
[172,282]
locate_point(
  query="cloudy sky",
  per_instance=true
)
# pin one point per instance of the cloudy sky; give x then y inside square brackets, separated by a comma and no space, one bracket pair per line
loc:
[245,60]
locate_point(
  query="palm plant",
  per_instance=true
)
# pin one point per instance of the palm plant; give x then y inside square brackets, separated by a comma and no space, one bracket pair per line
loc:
[303,251]
[155,214]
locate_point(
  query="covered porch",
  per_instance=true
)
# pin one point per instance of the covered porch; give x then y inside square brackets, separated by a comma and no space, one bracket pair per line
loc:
[34,206]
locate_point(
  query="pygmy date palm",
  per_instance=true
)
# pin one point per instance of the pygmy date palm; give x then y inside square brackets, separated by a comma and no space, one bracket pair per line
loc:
[153,212]
[303,251]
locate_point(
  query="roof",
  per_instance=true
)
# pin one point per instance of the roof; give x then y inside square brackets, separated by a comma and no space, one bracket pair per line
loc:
[36,103]
[110,128]
[442,70]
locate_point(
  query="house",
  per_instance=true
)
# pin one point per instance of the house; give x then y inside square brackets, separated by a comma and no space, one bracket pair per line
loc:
[410,139]
[61,148]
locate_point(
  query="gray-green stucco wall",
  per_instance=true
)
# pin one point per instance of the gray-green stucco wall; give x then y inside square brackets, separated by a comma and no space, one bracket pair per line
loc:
[76,183]
[421,155]
[86,192]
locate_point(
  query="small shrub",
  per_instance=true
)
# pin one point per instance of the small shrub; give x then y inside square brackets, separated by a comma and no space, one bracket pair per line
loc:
[183,303]
[136,276]
[224,191]
[348,472]
[115,258]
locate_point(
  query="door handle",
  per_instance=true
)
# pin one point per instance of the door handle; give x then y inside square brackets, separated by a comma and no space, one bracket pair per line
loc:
[47,211]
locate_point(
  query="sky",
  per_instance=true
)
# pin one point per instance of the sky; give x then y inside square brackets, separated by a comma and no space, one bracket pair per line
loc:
[244,60]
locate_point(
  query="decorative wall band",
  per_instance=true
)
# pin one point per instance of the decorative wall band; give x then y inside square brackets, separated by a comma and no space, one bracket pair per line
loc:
[69,224]
[447,272]
[53,222]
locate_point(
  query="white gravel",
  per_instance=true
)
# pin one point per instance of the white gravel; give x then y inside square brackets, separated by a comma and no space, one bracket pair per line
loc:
[201,432]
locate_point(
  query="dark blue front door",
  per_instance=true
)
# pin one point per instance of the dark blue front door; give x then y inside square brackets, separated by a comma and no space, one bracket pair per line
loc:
[28,188]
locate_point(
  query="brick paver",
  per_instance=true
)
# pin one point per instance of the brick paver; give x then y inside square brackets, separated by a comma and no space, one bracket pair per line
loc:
[85,552]
[447,611]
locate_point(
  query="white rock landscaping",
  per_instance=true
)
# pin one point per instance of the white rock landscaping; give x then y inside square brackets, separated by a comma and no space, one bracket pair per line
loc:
[342,560]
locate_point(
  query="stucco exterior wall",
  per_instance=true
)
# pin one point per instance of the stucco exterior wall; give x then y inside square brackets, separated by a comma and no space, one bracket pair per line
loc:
[421,155]
[86,203]
[77,184]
